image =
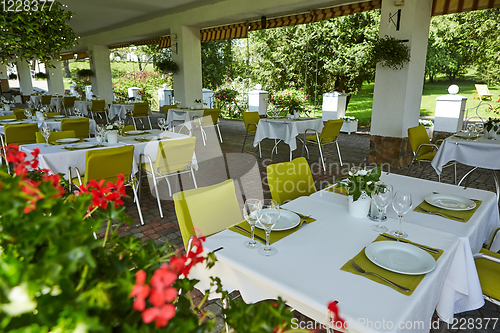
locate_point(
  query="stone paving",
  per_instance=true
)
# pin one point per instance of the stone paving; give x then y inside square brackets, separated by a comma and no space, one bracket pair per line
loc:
[218,162]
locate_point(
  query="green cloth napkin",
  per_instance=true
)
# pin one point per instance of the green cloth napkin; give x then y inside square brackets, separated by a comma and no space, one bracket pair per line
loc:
[274,236]
[409,281]
[337,189]
[76,148]
[462,214]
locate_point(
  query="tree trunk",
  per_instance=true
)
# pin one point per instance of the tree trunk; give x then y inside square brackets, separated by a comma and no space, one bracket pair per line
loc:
[67,73]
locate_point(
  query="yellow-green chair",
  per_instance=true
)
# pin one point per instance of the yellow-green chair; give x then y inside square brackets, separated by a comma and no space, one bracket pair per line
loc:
[55,136]
[201,209]
[69,104]
[290,180]
[168,107]
[45,100]
[52,114]
[173,157]
[488,270]
[98,166]
[423,150]
[19,114]
[81,126]
[210,118]
[98,108]
[128,128]
[140,110]
[20,134]
[251,120]
[328,135]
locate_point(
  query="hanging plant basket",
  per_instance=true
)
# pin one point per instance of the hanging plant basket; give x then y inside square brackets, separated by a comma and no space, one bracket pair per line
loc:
[84,73]
[40,75]
[167,67]
[12,76]
[391,52]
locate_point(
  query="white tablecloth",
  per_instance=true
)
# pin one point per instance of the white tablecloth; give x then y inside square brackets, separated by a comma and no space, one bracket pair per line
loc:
[482,152]
[306,270]
[36,99]
[83,107]
[54,124]
[285,129]
[6,113]
[119,110]
[184,115]
[57,102]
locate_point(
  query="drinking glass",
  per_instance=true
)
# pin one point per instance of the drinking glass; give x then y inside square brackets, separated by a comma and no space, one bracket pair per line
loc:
[178,103]
[46,134]
[250,212]
[28,114]
[382,196]
[479,128]
[161,123]
[267,217]
[401,204]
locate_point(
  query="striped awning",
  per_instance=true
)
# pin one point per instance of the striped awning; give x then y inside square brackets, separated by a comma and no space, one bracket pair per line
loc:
[317,15]
[162,42]
[224,32]
[442,7]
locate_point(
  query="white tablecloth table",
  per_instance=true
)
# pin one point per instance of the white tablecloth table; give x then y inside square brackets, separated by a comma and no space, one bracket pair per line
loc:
[57,102]
[286,130]
[306,270]
[183,115]
[120,110]
[83,107]
[6,113]
[36,99]
[479,153]
[54,124]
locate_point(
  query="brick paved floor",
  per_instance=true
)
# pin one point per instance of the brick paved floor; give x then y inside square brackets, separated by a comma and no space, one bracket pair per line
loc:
[218,162]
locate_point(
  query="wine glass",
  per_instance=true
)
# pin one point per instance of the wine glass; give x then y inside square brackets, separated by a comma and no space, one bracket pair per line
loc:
[161,123]
[250,212]
[46,134]
[28,114]
[401,204]
[382,196]
[178,103]
[471,128]
[267,217]
[479,128]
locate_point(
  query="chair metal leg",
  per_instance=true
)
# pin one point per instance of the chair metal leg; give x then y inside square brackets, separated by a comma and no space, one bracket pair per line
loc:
[157,194]
[422,172]
[244,140]
[260,151]
[134,189]
[194,178]
[338,151]
[321,152]
[218,130]
[203,136]
[133,120]
[409,167]
[455,179]
[149,120]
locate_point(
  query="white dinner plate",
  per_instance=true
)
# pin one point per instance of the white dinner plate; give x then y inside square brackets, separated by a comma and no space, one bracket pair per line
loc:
[450,202]
[67,140]
[7,120]
[287,220]
[84,145]
[134,132]
[466,135]
[59,116]
[400,257]
[12,122]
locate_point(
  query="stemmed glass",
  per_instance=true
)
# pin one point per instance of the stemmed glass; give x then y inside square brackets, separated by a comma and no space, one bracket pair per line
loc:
[479,128]
[267,217]
[178,103]
[162,123]
[250,212]
[382,196]
[401,204]
[28,114]
[46,134]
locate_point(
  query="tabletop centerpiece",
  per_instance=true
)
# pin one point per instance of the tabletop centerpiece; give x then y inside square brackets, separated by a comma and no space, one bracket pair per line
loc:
[113,130]
[359,185]
[491,128]
[293,100]
[6,104]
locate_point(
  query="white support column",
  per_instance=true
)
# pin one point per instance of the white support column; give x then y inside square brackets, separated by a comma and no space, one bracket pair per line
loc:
[102,85]
[188,81]
[398,93]
[24,77]
[55,78]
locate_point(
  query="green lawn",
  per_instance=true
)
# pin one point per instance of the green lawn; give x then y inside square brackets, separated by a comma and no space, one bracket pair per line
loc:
[360,105]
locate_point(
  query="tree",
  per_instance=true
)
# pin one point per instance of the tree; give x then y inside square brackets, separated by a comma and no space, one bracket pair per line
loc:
[218,63]
[329,55]
[37,33]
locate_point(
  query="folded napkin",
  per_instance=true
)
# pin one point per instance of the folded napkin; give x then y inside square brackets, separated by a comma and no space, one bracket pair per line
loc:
[409,281]
[77,148]
[337,189]
[465,215]
[274,236]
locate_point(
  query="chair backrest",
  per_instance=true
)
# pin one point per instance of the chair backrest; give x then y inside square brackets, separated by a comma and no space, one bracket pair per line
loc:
[19,114]
[98,166]
[128,128]
[140,110]
[249,118]
[168,107]
[290,180]
[10,116]
[55,136]
[201,208]
[69,101]
[25,99]
[482,89]
[81,126]
[98,105]
[52,114]
[331,130]
[174,155]
[214,113]
[45,100]
[418,136]
[20,134]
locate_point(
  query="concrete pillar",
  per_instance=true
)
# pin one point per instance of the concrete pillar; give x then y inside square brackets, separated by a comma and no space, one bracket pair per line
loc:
[55,78]
[24,77]
[188,82]
[102,85]
[398,93]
